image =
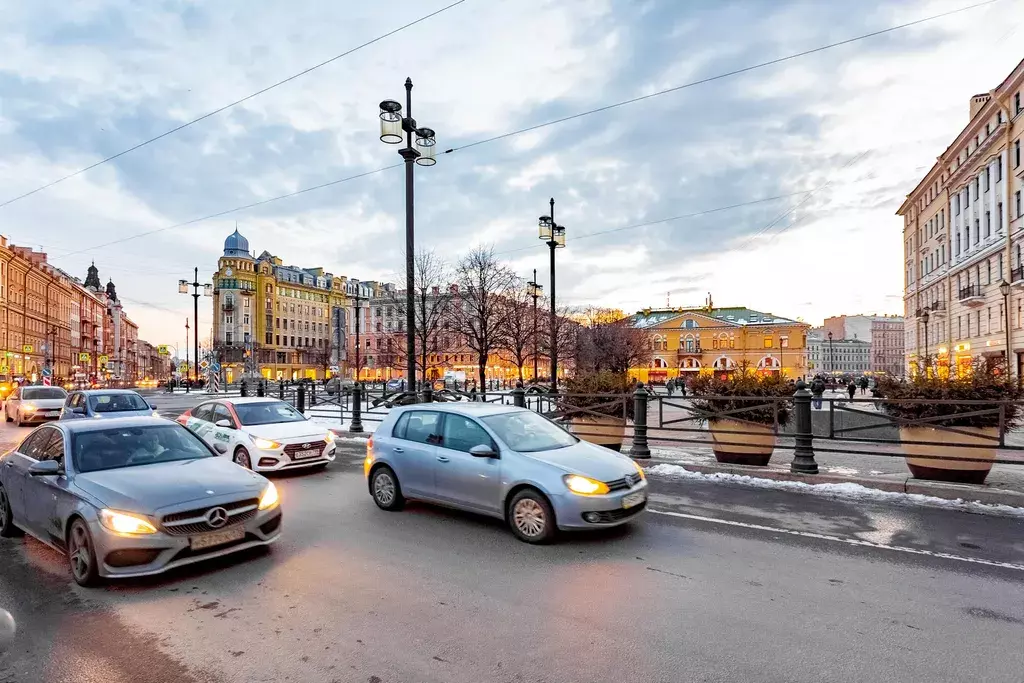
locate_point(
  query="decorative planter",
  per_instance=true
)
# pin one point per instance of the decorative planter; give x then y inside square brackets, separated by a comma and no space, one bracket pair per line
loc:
[753,447]
[930,461]
[602,431]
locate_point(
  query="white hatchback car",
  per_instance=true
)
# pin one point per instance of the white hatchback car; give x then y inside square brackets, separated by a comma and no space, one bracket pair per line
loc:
[261,434]
[34,404]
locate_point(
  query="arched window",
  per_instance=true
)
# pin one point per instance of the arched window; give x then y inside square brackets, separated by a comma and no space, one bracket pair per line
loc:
[690,324]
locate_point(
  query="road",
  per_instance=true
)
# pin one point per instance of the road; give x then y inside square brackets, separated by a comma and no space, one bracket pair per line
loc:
[722,583]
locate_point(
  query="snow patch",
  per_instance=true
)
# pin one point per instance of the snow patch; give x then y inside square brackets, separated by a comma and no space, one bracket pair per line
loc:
[844,491]
[843,471]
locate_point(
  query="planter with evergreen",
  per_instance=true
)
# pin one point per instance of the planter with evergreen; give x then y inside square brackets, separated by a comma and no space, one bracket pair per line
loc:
[597,405]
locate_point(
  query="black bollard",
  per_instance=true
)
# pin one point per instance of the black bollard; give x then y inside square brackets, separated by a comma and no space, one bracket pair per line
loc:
[357,409]
[639,449]
[803,437]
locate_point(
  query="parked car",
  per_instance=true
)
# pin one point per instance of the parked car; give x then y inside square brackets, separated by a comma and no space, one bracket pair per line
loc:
[395,385]
[106,403]
[132,496]
[342,384]
[504,462]
[261,434]
[34,404]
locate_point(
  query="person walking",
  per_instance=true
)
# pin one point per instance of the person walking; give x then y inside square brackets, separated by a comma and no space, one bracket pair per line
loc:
[851,389]
[817,389]
[864,385]
[670,386]
[682,388]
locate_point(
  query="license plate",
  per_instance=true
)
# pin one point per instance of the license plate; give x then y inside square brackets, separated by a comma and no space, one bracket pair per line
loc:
[634,499]
[216,538]
[302,455]
[52,413]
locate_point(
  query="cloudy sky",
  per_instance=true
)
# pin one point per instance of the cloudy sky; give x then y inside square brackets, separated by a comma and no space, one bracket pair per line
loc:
[831,141]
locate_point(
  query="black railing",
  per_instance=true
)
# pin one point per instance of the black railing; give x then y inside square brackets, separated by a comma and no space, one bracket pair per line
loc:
[970,292]
[1017,273]
[936,306]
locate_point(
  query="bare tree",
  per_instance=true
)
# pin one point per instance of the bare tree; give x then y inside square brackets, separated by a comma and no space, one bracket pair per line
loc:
[567,327]
[478,314]
[616,346]
[432,298]
[322,357]
[520,334]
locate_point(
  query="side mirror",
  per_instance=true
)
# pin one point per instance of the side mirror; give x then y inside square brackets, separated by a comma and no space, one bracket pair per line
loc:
[79,410]
[225,424]
[153,406]
[45,467]
[220,448]
[482,451]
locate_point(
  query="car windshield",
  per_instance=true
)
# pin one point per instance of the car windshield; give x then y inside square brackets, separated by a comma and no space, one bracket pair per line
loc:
[267,413]
[107,449]
[116,403]
[40,393]
[528,432]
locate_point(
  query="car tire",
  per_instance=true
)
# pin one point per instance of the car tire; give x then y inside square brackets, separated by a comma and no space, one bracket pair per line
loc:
[241,458]
[385,489]
[7,528]
[82,555]
[531,517]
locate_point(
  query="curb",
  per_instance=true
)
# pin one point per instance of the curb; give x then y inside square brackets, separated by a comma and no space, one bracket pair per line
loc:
[893,483]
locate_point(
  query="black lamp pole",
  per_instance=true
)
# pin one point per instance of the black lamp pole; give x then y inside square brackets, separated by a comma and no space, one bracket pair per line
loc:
[553,235]
[831,356]
[535,290]
[183,286]
[357,310]
[188,385]
[392,125]
[924,320]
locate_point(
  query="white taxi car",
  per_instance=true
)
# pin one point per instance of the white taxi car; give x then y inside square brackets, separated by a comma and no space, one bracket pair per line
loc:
[261,434]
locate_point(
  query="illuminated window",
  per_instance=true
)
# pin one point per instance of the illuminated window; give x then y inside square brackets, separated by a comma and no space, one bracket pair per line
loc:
[767,342]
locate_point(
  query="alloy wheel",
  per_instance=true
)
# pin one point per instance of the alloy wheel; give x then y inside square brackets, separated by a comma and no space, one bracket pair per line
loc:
[80,552]
[384,488]
[529,517]
[242,458]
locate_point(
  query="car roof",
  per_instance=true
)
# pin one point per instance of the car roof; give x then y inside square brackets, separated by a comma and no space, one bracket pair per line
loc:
[248,399]
[98,392]
[464,407]
[78,426]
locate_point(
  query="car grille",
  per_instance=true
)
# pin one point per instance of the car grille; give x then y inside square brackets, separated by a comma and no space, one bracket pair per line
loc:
[293,448]
[194,521]
[609,516]
[627,482]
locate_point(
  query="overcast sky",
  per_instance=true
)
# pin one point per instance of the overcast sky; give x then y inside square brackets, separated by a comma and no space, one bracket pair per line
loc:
[860,124]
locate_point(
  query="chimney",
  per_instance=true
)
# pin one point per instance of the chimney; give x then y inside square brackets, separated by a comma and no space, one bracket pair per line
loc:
[977,102]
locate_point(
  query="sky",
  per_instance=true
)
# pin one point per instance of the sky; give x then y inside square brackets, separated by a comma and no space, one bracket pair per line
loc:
[820,150]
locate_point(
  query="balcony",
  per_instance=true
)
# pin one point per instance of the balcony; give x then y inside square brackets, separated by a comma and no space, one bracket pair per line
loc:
[937,308]
[228,307]
[971,296]
[1017,277]
[683,351]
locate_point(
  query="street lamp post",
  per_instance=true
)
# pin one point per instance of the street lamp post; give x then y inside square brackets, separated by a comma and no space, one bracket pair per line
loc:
[831,357]
[534,290]
[188,385]
[552,234]
[356,310]
[392,126]
[1004,289]
[924,320]
[183,286]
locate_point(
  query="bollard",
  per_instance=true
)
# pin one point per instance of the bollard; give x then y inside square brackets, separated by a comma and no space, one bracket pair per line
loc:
[280,389]
[519,396]
[357,408]
[639,448]
[428,393]
[312,394]
[300,399]
[261,389]
[243,389]
[803,451]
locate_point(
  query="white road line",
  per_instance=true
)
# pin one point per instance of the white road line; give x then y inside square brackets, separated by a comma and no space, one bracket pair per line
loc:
[837,539]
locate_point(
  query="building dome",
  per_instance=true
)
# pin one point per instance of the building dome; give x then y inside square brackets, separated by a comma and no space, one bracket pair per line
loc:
[236,245]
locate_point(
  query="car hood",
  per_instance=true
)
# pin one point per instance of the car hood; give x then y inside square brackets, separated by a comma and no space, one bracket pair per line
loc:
[45,403]
[311,431]
[145,488]
[589,460]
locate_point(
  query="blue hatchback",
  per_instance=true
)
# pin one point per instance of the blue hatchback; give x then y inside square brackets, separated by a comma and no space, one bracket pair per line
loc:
[105,403]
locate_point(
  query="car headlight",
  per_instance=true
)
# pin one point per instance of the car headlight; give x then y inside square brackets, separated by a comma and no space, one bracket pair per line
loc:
[269,498]
[265,444]
[124,523]
[640,470]
[330,437]
[585,486]
[30,407]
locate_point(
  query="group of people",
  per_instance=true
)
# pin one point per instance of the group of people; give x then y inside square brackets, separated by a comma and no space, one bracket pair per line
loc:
[674,384]
[818,388]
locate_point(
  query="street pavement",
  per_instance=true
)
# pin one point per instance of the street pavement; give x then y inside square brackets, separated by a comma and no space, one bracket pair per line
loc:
[715,583]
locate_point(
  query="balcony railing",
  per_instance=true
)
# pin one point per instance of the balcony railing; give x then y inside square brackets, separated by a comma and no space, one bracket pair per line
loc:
[1017,276]
[970,292]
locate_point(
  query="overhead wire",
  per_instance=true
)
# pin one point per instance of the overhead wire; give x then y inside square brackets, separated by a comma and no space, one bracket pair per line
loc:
[248,97]
[549,123]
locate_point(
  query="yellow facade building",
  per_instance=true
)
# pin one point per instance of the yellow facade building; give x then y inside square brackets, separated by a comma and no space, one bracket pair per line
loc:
[689,341]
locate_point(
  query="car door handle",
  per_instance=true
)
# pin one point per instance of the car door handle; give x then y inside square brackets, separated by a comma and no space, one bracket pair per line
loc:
[442,458]
[399,449]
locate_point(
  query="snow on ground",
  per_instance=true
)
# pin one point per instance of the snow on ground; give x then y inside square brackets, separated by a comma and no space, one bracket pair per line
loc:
[844,491]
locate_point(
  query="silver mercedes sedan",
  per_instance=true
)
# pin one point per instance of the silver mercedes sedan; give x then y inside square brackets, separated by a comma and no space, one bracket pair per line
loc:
[132,496]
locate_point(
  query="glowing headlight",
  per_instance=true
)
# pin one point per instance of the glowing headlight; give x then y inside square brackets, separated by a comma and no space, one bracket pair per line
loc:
[30,407]
[269,498]
[330,437]
[585,486]
[265,444]
[639,470]
[123,523]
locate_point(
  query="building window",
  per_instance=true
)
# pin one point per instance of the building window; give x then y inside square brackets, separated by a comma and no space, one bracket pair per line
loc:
[987,179]
[977,230]
[967,197]
[999,216]
[999,170]
[956,204]
[1016,103]
[767,342]
[958,244]
[988,224]
[1017,199]
[1016,153]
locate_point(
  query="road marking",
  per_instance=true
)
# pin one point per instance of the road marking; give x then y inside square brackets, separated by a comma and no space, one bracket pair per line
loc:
[837,539]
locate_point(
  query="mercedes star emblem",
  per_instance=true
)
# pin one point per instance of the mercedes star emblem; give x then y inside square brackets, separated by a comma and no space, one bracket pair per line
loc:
[217,517]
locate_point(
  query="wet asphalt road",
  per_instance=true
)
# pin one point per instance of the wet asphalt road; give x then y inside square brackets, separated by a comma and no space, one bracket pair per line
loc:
[741,588]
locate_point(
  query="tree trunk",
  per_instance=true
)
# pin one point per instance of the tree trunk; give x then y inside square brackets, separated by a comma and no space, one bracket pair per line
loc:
[483,377]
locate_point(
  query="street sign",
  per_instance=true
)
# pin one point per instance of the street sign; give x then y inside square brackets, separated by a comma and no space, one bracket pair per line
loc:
[203,365]
[163,350]
[27,348]
[47,381]
[47,372]
[3,369]
[183,367]
[84,358]
[102,359]
[215,366]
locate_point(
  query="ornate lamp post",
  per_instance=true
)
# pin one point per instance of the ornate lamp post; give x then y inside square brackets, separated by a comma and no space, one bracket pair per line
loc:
[392,126]
[924,320]
[534,291]
[831,357]
[183,286]
[553,235]
[1004,289]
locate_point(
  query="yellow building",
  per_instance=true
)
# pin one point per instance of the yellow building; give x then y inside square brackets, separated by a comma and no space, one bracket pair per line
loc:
[688,341]
[274,320]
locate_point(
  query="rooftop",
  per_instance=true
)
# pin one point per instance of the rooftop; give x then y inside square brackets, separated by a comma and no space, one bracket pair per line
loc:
[738,315]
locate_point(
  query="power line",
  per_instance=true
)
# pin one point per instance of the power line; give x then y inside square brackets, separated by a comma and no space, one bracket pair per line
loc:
[530,128]
[232,104]
[727,74]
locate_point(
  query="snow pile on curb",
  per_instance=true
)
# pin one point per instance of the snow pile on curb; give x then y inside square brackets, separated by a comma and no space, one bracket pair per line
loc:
[845,491]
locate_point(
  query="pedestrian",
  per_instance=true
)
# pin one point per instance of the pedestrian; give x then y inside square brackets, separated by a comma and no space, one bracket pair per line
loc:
[851,389]
[864,385]
[670,386]
[817,389]
[682,388]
